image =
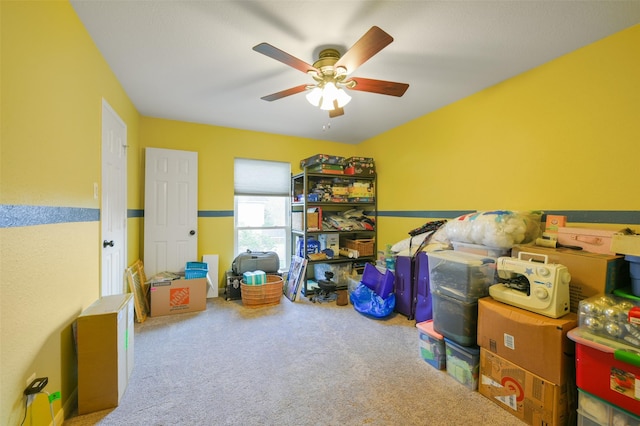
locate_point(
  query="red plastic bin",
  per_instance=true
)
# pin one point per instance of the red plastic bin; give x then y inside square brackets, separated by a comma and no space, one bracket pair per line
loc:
[607,369]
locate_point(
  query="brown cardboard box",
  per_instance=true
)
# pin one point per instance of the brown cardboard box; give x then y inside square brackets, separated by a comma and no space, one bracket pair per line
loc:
[177,296]
[591,273]
[313,221]
[626,244]
[104,336]
[530,398]
[536,343]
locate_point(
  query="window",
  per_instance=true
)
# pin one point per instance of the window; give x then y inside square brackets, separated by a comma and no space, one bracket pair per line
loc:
[261,207]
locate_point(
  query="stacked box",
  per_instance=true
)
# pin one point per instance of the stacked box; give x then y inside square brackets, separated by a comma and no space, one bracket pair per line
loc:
[457,280]
[462,363]
[359,166]
[515,334]
[595,411]
[321,159]
[530,398]
[333,169]
[432,346]
[361,189]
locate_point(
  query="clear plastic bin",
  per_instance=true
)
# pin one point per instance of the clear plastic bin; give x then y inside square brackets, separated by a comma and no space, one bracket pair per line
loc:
[461,275]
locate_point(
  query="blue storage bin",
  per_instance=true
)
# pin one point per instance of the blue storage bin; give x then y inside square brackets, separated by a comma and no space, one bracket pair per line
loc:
[195,270]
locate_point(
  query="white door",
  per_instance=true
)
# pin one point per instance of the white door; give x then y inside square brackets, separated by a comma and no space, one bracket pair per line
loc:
[170,210]
[113,210]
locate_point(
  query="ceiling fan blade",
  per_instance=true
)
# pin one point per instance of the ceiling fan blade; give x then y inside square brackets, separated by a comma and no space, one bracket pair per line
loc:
[379,86]
[285,93]
[369,44]
[284,57]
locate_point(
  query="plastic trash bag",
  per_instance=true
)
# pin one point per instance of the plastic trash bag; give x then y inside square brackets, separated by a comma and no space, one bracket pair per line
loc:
[367,302]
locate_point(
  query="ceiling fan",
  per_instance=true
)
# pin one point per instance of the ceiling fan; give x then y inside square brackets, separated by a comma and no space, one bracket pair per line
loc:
[331,73]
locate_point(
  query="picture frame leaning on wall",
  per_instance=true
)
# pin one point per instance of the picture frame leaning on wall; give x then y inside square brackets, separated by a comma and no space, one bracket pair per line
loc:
[297,272]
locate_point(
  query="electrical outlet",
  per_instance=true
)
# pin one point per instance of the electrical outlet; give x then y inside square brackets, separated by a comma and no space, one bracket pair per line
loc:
[31,378]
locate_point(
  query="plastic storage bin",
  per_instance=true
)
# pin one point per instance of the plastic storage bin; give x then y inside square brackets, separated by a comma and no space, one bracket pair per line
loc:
[195,270]
[463,363]
[595,411]
[455,319]
[613,317]
[607,369]
[432,347]
[464,276]
[481,250]
[634,272]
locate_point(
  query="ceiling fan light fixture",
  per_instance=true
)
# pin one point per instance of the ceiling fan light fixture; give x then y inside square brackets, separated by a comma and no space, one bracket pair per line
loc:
[343,98]
[331,93]
[315,96]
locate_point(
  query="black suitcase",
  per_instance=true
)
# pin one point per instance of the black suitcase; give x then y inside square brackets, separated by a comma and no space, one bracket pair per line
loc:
[233,290]
[267,261]
[423,302]
[403,286]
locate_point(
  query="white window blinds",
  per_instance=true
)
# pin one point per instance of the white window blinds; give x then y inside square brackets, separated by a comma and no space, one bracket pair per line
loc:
[258,177]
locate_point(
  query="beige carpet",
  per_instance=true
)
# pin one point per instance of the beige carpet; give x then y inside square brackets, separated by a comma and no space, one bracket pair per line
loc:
[296,363]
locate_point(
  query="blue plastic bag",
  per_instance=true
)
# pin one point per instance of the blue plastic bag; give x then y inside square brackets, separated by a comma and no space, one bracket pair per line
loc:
[367,302]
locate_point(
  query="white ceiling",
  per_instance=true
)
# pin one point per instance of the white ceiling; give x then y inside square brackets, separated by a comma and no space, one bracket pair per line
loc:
[193,60]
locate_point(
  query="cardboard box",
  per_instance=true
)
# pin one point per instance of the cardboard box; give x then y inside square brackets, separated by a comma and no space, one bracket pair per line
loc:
[528,397]
[359,166]
[177,296]
[104,336]
[330,241]
[591,240]
[321,159]
[553,222]
[534,342]
[313,221]
[591,273]
[625,244]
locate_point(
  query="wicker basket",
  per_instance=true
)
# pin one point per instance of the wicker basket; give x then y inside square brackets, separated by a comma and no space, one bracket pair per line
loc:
[257,296]
[364,247]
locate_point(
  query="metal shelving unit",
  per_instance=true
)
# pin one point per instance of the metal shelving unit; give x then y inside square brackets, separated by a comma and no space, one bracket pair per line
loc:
[306,195]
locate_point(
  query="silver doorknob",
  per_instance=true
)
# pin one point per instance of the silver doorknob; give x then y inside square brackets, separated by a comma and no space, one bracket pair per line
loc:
[106,243]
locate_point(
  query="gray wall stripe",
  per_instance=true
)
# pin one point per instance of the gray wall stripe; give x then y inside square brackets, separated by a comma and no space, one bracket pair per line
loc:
[14,215]
[17,215]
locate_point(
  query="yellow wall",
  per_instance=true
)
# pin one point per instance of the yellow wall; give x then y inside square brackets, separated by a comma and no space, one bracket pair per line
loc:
[217,147]
[562,136]
[559,137]
[53,83]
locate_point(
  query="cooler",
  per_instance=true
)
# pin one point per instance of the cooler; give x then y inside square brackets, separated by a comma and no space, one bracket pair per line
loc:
[607,369]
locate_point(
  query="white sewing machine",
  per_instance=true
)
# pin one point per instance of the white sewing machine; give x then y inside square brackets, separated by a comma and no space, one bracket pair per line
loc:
[532,285]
